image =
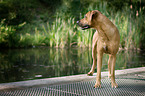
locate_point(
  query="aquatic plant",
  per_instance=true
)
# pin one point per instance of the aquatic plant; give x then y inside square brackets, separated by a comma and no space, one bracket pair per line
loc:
[61,29]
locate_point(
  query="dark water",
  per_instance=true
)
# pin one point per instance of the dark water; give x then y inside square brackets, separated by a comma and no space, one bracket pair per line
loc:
[26,64]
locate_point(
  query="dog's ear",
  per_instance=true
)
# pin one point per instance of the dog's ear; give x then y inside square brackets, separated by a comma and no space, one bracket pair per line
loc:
[94,14]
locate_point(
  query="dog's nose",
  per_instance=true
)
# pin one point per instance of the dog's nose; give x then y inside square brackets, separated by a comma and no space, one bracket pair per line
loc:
[78,22]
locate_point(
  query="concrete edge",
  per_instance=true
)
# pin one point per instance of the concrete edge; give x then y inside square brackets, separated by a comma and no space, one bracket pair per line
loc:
[62,80]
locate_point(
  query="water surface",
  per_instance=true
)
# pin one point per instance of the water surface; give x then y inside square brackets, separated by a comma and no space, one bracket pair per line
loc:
[37,63]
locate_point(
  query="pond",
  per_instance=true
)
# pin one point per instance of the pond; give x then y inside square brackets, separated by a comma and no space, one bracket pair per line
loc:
[38,63]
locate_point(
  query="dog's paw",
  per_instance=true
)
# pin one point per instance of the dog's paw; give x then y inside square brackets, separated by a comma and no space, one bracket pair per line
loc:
[114,85]
[90,74]
[97,85]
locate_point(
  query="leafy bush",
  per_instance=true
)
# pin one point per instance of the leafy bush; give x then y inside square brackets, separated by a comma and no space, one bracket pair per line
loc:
[8,35]
[48,23]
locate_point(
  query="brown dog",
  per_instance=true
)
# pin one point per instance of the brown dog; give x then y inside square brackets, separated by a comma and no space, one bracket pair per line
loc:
[106,39]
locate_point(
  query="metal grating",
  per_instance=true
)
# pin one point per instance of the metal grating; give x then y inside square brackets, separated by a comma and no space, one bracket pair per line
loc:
[127,87]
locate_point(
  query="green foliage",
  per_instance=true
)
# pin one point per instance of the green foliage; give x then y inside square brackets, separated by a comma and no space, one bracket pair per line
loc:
[130,28]
[8,36]
[43,23]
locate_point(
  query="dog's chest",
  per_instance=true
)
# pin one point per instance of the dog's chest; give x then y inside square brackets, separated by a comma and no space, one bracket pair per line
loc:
[104,45]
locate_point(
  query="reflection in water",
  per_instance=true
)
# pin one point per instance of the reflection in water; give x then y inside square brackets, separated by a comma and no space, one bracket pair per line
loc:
[25,64]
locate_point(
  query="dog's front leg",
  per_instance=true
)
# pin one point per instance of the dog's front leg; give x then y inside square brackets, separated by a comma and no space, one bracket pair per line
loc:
[113,83]
[99,66]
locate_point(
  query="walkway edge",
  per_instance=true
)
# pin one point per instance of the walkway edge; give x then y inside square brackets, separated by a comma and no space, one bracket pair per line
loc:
[65,79]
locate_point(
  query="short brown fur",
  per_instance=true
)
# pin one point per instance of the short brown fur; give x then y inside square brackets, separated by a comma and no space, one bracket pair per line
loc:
[106,39]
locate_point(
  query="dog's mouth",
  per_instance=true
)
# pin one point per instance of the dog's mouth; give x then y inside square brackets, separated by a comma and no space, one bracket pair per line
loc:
[85,27]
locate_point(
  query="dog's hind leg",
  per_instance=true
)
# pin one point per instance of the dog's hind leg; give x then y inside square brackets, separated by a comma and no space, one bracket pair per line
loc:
[109,66]
[113,83]
[94,61]
[94,52]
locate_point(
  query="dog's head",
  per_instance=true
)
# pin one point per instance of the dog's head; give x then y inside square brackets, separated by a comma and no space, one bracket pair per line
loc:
[89,21]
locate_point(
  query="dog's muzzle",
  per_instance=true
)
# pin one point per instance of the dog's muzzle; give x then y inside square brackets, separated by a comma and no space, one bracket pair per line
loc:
[83,27]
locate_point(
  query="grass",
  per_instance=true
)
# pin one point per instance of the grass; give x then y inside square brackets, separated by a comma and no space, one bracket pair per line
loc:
[129,28]
[60,34]
[62,31]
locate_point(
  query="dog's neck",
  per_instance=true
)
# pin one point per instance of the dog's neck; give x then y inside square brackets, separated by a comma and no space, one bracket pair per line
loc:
[102,34]
[106,33]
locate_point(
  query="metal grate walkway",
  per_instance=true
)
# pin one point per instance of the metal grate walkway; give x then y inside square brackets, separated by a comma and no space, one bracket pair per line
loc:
[127,87]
